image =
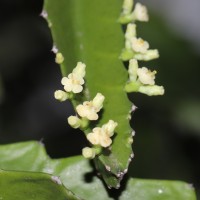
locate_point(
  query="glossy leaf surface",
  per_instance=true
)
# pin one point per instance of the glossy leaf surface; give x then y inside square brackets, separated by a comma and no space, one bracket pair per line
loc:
[76,173]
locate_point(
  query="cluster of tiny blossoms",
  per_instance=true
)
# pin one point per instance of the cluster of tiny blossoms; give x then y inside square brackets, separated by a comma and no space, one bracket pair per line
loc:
[86,112]
[136,49]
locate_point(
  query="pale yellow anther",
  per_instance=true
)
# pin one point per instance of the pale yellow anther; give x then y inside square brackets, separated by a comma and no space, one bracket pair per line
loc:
[146,76]
[88,153]
[59,58]
[140,13]
[60,95]
[132,69]
[139,45]
[74,121]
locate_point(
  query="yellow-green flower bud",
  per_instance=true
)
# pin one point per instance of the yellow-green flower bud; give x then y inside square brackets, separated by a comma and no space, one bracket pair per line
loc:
[74,121]
[97,102]
[60,95]
[59,58]
[88,152]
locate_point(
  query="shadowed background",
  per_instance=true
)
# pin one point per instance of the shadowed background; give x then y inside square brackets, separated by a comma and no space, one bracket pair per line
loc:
[167,141]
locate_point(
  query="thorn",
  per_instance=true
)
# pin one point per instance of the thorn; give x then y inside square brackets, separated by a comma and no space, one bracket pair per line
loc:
[132,155]
[56,180]
[133,108]
[41,142]
[44,14]
[54,49]
[108,168]
[133,133]
[118,186]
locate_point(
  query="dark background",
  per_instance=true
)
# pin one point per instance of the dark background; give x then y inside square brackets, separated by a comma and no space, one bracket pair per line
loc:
[167,141]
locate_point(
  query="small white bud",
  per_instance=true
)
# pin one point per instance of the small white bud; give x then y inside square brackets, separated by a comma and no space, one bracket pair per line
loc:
[59,58]
[146,76]
[129,34]
[127,6]
[97,102]
[132,69]
[140,13]
[74,121]
[149,55]
[130,31]
[109,128]
[60,95]
[152,90]
[79,70]
[88,153]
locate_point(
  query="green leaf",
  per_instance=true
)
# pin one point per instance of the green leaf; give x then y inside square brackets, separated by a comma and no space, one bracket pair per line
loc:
[88,31]
[32,186]
[77,175]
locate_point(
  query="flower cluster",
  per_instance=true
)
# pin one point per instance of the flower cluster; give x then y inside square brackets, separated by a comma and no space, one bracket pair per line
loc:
[86,112]
[142,80]
[89,109]
[72,83]
[137,49]
[102,135]
[139,13]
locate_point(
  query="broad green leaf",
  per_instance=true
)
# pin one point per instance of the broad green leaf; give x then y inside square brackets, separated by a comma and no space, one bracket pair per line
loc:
[88,31]
[32,186]
[76,173]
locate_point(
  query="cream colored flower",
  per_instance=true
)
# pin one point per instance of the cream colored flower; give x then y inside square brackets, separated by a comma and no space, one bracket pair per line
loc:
[152,90]
[127,6]
[99,137]
[146,76]
[79,70]
[89,109]
[130,31]
[149,55]
[109,127]
[105,140]
[132,69]
[60,95]
[98,102]
[140,13]
[94,137]
[139,45]
[73,83]
[88,153]
[102,135]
